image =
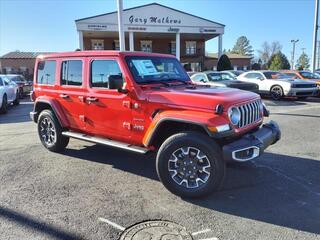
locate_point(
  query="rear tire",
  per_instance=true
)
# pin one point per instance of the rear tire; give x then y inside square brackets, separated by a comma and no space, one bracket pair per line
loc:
[4,106]
[17,100]
[50,132]
[190,164]
[276,92]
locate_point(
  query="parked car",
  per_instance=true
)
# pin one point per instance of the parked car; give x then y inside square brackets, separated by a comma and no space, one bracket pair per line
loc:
[146,102]
[222,79]
[279,85]
[9,93]
[25,87]
[234,73]
[304,75]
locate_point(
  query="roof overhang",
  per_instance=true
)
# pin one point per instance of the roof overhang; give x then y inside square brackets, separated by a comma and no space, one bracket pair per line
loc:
[150,18]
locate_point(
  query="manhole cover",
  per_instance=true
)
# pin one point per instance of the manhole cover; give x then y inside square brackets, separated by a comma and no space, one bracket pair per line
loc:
[156,230]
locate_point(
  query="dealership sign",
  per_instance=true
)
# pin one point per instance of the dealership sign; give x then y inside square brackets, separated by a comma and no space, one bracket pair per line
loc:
[153,20]
[97,26]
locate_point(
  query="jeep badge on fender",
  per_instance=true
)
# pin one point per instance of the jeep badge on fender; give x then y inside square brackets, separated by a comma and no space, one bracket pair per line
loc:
[146,102]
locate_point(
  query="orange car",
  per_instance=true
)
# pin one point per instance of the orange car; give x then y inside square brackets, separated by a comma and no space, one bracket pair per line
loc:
[304,75]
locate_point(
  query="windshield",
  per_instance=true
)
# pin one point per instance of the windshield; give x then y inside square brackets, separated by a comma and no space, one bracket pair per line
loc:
[149,69]
[219,77]
[309,75]
[237,73]
[275,75]
[16,78]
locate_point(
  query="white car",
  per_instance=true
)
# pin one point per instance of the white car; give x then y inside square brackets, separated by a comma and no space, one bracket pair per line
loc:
[279,85]
[9,93]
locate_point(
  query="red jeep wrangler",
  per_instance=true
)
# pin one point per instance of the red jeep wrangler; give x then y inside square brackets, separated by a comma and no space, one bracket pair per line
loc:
[146,102]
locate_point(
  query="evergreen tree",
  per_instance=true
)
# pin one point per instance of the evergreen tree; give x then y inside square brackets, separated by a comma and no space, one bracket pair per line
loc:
[224,63]
[303,62]
[278,61]
[243,47]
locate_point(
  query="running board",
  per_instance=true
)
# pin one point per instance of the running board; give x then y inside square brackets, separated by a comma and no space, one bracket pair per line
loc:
[105,141]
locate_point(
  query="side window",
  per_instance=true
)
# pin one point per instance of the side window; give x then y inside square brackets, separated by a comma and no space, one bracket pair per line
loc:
[101,70]
[46,72]
[71,73]
[1,83]
[198,78]
[253,75]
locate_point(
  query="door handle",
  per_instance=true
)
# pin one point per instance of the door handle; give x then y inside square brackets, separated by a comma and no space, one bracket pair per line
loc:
[92,99]
[64,96]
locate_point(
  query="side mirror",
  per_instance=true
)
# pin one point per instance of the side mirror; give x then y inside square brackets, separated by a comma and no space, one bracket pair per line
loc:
[116,82]
[202,80]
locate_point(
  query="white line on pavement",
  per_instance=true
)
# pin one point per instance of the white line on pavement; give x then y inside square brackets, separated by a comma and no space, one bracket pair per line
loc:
[213,238]
[111,223]
[200,232]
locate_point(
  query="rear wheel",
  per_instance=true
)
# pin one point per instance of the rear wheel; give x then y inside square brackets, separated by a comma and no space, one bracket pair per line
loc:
[4,105]
[21,93]
[17,100]
[276,92]
[190,164]
[50,132]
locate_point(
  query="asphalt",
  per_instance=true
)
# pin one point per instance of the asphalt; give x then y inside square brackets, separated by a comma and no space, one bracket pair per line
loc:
[93,192]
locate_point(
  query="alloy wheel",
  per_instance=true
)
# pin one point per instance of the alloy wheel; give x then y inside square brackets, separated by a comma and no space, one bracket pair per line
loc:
[48,131]
[189,167]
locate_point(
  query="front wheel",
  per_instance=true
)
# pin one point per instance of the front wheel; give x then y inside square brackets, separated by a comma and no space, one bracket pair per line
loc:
[190,164]
[17,99]
[50,132]
[276,92]
[4,105]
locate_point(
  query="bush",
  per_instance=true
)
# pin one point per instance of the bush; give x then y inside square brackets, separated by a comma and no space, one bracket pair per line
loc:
[224,63]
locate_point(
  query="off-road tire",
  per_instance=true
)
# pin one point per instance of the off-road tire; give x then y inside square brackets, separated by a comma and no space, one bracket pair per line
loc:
[4,106]
[17,100]
[276,92]
[60,142]
[194,140]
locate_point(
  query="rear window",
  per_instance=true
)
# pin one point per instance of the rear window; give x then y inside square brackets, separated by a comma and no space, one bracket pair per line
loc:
[71,73]
[46,72]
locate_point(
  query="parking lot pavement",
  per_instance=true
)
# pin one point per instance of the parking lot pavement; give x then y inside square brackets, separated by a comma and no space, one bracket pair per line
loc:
[94,192]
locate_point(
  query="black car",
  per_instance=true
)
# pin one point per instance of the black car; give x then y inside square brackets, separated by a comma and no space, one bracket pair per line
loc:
[223,79]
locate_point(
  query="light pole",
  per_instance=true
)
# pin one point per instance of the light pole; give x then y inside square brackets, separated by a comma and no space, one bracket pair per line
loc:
[293,50]
[120,26]
[315,33]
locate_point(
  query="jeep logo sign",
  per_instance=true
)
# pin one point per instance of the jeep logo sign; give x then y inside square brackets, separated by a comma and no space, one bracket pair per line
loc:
[153,20]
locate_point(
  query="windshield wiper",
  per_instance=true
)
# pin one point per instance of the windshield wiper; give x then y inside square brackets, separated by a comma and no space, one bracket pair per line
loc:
[179,80]
[155,82]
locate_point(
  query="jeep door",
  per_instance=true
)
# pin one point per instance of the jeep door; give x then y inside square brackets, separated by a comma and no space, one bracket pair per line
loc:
[72,91]
[108,112]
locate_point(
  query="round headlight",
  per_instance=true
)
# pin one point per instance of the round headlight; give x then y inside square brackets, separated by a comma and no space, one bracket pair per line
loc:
[234,115]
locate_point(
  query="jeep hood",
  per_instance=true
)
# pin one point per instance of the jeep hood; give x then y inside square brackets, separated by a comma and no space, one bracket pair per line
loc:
[201,97]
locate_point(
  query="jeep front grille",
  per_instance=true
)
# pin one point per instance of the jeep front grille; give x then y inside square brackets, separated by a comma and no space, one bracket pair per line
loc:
[250,113]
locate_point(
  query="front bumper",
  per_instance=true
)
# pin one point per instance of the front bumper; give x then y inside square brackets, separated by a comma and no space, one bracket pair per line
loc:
[302,92]
[252,145]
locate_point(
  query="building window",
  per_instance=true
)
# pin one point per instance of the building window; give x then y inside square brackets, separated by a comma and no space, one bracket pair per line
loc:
[173,47]
[116,45]
[71,73]
[191,47]
[46,72]
[146,46]
[97,44]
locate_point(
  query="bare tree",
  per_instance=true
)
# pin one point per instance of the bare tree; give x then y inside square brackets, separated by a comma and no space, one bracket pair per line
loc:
[267,50]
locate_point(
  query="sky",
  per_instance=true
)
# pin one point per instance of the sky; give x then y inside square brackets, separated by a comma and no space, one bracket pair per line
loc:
[48,25]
